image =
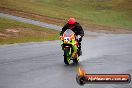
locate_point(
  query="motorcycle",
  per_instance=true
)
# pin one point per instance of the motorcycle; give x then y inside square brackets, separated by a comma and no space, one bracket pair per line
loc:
[70,46]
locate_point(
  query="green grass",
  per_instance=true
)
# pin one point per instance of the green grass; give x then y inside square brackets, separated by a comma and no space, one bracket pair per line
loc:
[31,33]
[115,13]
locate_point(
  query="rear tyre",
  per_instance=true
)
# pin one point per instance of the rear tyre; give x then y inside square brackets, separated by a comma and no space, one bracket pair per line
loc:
[66,56]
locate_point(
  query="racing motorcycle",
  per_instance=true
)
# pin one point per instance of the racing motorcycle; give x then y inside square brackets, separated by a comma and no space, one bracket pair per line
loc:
[70,46]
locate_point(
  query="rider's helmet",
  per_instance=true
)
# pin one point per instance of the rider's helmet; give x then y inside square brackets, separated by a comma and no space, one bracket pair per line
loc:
[71,21]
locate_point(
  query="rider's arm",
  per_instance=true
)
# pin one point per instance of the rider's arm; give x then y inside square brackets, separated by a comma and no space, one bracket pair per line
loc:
[80,30]
[63,29]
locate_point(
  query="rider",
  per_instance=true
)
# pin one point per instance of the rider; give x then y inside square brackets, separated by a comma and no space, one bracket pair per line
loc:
[76,28]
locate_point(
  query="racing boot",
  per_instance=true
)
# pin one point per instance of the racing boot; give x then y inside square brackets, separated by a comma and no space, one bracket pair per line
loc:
[79,50]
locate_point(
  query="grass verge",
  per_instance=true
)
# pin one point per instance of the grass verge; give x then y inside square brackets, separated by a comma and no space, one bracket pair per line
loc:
[17,32]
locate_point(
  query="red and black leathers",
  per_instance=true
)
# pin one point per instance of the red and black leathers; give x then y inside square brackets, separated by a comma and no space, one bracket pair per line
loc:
[76,28]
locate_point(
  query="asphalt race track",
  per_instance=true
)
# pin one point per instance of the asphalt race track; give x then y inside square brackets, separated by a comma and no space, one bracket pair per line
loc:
[40,65]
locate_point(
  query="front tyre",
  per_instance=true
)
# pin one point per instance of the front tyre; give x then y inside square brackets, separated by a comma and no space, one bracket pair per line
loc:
[66,56]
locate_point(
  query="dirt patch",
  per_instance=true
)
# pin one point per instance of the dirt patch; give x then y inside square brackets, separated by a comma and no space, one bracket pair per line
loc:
[21,35]
[3,35]
[21,32]
[11,31]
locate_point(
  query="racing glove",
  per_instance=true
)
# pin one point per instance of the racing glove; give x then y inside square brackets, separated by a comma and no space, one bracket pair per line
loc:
[60,37]
[79,37]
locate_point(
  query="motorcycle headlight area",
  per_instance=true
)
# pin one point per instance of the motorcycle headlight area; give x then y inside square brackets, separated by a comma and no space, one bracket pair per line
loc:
[66,39]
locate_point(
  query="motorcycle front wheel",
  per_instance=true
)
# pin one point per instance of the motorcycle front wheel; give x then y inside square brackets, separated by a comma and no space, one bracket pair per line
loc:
[66,56]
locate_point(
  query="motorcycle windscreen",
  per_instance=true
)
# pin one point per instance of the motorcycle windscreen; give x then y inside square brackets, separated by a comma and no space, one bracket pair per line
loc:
[68,33]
